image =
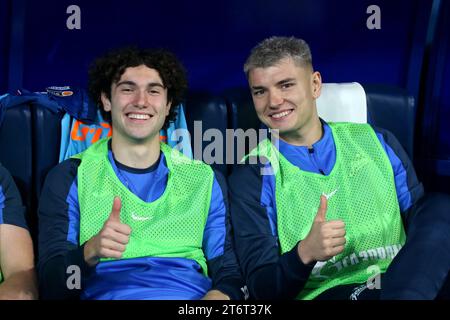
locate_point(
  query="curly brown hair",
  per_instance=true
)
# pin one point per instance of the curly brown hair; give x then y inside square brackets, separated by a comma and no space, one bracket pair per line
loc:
[108,69]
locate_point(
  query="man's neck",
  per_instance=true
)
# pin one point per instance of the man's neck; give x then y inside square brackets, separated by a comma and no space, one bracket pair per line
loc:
[137,155]
[307,135]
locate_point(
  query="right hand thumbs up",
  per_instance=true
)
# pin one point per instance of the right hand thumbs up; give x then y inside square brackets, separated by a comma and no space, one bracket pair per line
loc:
[325,239]
[112,239]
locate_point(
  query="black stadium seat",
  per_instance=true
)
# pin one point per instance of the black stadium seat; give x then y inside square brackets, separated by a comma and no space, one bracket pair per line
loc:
[16,154]
[212,112]
[394,109]
[46,144]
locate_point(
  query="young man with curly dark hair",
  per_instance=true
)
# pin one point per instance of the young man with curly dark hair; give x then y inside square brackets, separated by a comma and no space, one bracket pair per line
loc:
[131,217]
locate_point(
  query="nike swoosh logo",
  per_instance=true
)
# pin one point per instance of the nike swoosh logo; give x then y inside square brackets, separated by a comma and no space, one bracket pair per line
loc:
[138,218]
[328,196]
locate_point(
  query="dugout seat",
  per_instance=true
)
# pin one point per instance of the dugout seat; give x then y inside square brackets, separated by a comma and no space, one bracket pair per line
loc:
[16,155]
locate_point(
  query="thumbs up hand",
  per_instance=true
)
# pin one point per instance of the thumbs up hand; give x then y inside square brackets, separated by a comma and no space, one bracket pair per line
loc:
[321,215]
[115,211]
[325,239]
[112,239]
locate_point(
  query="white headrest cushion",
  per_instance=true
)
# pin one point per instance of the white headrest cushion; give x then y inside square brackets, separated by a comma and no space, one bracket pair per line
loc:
[342,102]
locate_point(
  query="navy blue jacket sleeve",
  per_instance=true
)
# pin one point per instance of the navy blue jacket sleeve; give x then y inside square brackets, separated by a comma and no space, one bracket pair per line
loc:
[11,209]
[223,267]
[269,274]
[56,252]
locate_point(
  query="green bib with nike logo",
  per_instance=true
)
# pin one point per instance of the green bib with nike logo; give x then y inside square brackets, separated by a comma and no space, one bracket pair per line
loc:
[360,191]
[171,226]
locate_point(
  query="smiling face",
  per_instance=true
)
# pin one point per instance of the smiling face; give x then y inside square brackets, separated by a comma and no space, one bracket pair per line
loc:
[284,97]
[138,105]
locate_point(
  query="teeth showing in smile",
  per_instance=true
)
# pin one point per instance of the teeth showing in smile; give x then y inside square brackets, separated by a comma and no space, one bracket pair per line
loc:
[138,116]
[281,114]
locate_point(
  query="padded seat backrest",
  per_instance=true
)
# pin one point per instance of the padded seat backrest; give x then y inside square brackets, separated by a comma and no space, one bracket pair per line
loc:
[207,121]
[47,140]
[394,109]
[16,154]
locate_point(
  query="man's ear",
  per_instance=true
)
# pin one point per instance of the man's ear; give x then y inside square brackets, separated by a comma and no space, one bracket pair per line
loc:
[168,106]
[106,102]
[316,84]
